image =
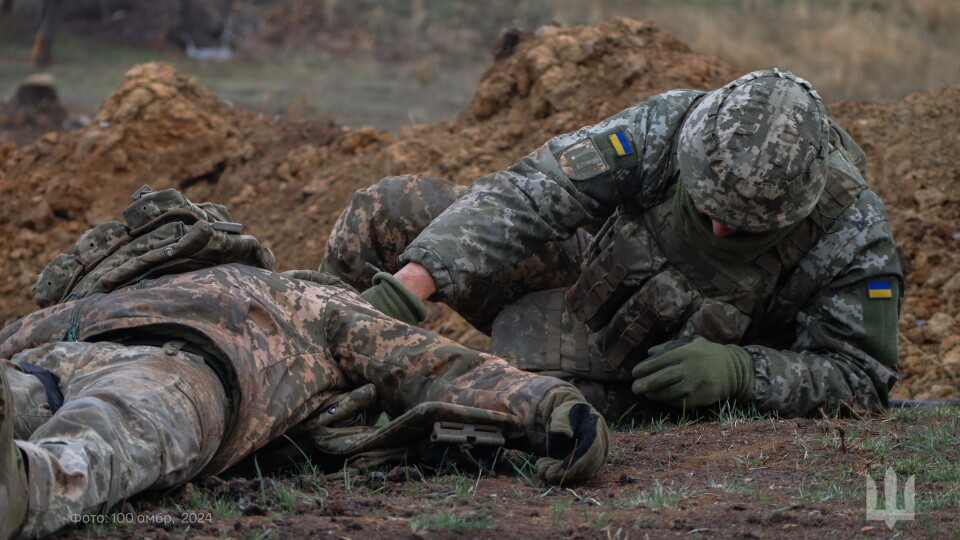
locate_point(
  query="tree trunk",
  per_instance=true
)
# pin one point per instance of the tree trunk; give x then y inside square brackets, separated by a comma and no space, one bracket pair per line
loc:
[6,7]
[43,43]
[227,36]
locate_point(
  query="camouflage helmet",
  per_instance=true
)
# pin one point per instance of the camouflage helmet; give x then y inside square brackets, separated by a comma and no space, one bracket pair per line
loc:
[753,154]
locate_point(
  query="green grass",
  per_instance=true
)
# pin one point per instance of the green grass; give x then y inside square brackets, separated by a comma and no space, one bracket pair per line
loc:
[729,484]
[109,526]
[654,424]
[656,498]
[524,465]
[921,441]
[452,521]
[843,487]
[749,461]
[453,486]
[287,497]
[263,534]
[728,414]
[86,70]
[725,414]
[599,521]
[558,509]
[219,506]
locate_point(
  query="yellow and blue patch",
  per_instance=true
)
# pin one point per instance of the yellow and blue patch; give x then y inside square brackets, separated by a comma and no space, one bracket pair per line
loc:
[621,144]
[880,288]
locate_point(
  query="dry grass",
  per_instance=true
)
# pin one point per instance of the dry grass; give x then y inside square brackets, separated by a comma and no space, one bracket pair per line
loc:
[850,49]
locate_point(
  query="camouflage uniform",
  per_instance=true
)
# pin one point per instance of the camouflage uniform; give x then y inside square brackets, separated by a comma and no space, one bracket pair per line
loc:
[189,373]
[817,311]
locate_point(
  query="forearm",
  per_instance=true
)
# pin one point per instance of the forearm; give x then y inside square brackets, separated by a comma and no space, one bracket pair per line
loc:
[409,365]
[805,383]
[846,355]
[844,351]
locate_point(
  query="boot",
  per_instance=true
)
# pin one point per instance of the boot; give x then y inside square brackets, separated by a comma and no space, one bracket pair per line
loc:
[13,477]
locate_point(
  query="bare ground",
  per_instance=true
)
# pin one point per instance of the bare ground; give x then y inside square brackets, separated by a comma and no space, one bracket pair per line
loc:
[731,478]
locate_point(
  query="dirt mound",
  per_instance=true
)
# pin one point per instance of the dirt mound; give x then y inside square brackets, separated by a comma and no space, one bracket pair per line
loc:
[914,166]
[33,109]
[287,180]
[159,128]
[551,81]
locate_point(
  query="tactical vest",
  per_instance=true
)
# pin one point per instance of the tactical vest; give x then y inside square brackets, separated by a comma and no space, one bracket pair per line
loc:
[642,284]
[163,233]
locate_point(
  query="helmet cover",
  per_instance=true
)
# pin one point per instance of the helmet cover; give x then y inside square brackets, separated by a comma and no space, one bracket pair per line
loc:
[753,153]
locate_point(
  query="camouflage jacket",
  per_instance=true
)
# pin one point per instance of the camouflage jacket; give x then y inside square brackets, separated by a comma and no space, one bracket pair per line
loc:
[822,332]
[289,347]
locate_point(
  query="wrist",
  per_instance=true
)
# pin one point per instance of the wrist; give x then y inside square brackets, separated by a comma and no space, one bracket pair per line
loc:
[745,377]
[417,280]
[391,297]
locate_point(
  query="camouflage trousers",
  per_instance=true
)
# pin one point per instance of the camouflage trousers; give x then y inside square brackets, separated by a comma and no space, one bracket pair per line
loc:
[522,308]
[134,418]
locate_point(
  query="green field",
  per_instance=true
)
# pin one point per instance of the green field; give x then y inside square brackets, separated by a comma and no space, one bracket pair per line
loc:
[362,91]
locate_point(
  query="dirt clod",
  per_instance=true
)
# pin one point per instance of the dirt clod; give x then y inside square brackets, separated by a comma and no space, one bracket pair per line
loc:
[254,509]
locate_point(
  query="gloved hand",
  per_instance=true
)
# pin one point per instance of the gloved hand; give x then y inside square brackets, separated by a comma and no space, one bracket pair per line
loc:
[695,374]
[577,439]
[391,297]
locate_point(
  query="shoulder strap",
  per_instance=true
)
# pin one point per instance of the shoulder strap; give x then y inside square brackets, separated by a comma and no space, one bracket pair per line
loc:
[840,191]
[672,156]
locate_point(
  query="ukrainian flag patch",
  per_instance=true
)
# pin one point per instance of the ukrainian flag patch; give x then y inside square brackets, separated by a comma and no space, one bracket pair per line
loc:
[880,288]
[621,144]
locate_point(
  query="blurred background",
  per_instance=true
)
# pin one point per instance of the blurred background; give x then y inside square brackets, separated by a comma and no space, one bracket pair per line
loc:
[388,63]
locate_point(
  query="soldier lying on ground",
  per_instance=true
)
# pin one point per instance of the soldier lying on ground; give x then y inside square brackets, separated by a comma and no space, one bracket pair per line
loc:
[144,372]
[740,254]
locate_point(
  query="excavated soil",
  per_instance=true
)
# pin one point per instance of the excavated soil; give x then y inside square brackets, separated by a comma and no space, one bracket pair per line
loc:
[287,180]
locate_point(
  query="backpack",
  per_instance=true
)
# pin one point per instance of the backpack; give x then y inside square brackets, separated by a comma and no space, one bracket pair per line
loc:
[162,233]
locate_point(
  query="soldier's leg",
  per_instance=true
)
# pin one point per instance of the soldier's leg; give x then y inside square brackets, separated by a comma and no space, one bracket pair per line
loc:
[134,418]
[383,219]
[13,480]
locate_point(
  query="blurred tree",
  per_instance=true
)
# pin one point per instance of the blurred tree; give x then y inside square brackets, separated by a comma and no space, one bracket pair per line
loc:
[43,43]
[206,22]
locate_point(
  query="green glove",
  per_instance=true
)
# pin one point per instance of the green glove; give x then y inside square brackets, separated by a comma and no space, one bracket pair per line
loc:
[577,440]
[391,297]
[696,374]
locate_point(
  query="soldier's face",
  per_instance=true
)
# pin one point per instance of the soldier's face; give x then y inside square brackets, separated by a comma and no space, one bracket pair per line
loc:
[722,231]
[719,229]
